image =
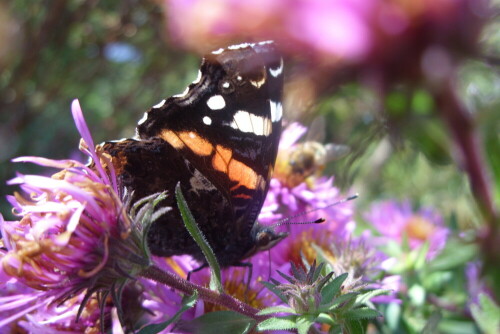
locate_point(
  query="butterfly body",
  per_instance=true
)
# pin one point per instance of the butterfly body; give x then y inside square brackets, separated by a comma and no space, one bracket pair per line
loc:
[219,141]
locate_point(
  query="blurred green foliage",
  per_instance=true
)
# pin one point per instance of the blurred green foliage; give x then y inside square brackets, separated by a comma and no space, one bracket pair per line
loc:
[65,51]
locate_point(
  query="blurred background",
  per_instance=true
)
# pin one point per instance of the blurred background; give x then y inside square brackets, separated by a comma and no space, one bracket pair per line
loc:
[121,57]
[410,88]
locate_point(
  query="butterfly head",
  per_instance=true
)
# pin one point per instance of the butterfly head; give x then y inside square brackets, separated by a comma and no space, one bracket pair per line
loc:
[264,238]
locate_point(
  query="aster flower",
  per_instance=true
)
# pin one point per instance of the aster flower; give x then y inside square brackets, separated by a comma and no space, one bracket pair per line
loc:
[74,242]
[332,241]
[397,222]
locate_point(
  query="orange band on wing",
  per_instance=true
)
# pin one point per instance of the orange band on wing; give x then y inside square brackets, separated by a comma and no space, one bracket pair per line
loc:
[237,171]
[172,138]
[241,173]
[197,144]
[221,158]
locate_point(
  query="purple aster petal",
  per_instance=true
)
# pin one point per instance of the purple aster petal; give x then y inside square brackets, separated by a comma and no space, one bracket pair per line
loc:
[397,221]
[87,137]
[291,135]
[61,164]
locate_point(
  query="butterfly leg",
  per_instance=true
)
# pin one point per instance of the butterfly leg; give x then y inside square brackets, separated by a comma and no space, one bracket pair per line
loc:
[248,265]
[195,270]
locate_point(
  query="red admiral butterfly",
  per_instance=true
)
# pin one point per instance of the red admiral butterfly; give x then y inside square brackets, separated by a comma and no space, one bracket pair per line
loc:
[219,139]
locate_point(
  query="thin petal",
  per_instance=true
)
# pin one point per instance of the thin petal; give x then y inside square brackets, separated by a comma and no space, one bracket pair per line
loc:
[62,164]
[81,125]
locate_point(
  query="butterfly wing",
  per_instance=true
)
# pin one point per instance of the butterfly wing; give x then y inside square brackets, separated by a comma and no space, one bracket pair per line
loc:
[219,139]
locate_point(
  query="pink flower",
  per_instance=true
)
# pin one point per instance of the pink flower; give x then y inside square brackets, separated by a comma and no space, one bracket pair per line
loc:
[335,27]
[397,221]
[73,240]
[376,32]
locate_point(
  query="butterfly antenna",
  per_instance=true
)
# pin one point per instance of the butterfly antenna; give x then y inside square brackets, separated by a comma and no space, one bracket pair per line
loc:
[285,221]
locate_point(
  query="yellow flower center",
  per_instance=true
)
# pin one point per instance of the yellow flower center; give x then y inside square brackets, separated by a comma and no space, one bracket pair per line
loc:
[237,287]
[419,228]
[303,246]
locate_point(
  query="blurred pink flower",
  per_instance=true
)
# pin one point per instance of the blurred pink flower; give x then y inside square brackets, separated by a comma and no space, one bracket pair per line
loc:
[476,285]
[396,221]
[378,33]
[338,28]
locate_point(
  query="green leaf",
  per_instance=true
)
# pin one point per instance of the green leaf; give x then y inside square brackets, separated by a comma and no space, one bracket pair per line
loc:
[455,254]
[355,327]
[331,289]
[348,297]
[345,304]
[393,316]
[361,313]
[417,294]
[448,326]
[199,238]
[335,329]
[278,324]
[365,297]
[487,315]
[219,322]
[271,287]
[304,322]
[421,255]
[276,309]
[432,324]
[325,318]
[156,328]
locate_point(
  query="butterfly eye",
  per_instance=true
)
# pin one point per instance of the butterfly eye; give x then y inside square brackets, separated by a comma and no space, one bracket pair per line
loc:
[226,87]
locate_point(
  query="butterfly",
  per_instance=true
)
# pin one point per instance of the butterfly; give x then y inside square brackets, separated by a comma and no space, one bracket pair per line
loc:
[218,140]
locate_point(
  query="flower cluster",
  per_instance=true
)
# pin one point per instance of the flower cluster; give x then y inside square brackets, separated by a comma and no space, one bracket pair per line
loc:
[74,240]
[78,244]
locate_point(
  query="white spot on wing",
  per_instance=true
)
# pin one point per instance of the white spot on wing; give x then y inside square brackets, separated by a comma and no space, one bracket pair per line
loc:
[247,122]
[159,105]
[218,52]
[143,119]
[239,46]
[183,93]
[275,72]
[265,42]
[216,102]
[207,120]
[197,78]
[276,111]
[115,141]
